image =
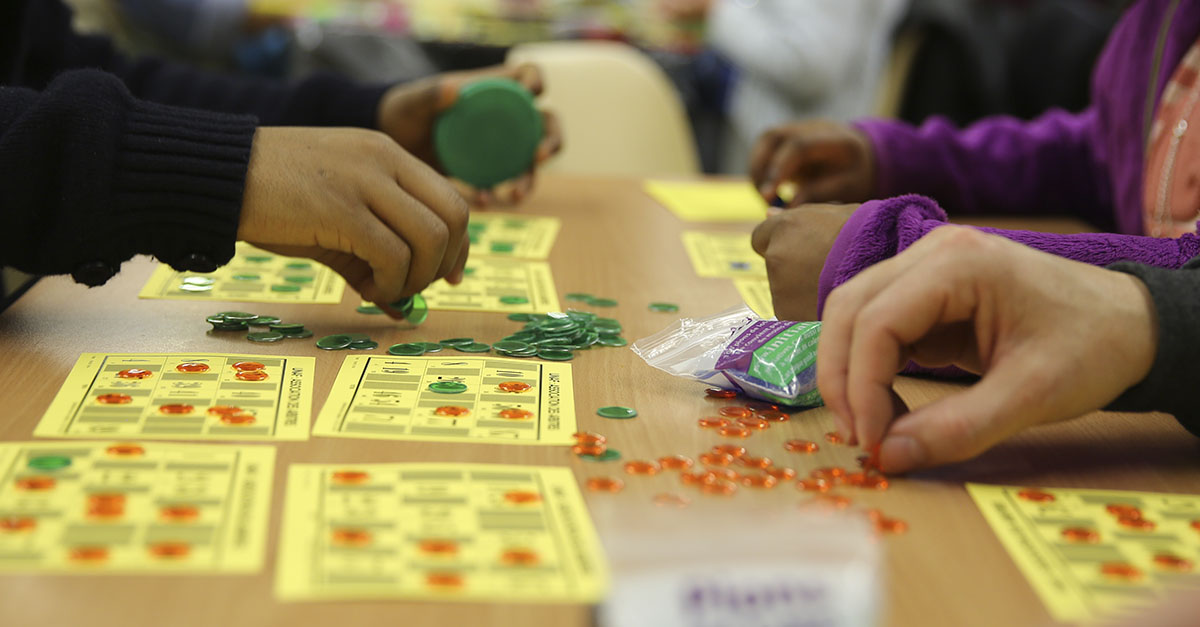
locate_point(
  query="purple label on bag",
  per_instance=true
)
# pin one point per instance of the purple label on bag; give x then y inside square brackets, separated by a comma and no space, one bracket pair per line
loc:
[740,350]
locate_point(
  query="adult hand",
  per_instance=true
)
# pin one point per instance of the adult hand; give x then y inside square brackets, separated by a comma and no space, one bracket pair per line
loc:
[825,161]
[1052,339]
[795,244]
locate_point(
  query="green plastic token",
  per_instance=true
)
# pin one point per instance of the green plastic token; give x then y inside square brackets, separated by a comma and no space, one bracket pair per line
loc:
[608,455]
[298,265]
[357,337]
[198,280]
[263,321]
[415,349]
[364,345]
[618,412]
[246,277]
[188,287]
[264,336]
[520,317]
[602,302]
[334,342]
[612,341]
[579,296]
[503,247]
[514,300]
[303,335]
[49,462]
[473,347]
[258,258]
[287,328]
[556,354]
[431,347]
[299,278]
[457,341]
[509,346]
[236,316]
[370,310]
[418,310]
[490,134]
[285,287]
[447,387]
[664,307]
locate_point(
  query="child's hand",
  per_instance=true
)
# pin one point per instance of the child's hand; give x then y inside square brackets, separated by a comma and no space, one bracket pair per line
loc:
[794,244]
[355,201]
[1053,339]
[407,114]
[826,161]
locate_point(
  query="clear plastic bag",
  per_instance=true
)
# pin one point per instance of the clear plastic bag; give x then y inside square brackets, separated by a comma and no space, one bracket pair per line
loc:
[767,359]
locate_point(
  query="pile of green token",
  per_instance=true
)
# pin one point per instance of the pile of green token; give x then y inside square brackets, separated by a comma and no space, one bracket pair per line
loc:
[347,341]
[556,336]
[277,329]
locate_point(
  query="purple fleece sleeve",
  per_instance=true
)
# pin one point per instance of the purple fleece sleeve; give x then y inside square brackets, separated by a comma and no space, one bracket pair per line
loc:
[998,165]
[880,229]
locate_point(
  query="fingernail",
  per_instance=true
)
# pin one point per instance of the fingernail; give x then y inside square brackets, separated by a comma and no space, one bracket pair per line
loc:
[901,452]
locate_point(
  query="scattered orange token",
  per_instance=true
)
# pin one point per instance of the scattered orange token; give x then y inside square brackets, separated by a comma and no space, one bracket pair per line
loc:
[515,414]
[1196,525]
[719,474]
[89,553]
[695,478]
[134,373]
[248,366]
[351,537]
[734,432]
[170,550]
[734,411]
[675,462]
[1123,511]
[729,449]
[1082,535]
[221,410]
[349,477]
[251,375]
[761,406]
[587,437]
[782,474]
[176,408]
[720,393]
[720,487]
[1120,570]
[522,497]
[829,473]
[773,415]
[831,500]
[520,557]
[639,467]
[833,437]
[125,450]
[1036,496]
[755,462]
[856,479]
[1167,561]
[15,524]
[754,423]
[192,367]
[436,546]
[514,386]
[238,419]
[670,500]
[712,423]
[875,482]
[714,458]
[444,580]
[800,446]
[813,485]
[114,399]
[759,481]
[451,410]
[35,484]
[890,525]
[179,513]
[595,450]
[1139,524]
[605,484]
[106,506]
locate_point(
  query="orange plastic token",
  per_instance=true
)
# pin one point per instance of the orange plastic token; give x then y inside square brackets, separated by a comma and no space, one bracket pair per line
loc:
[1120,570]
[114,399]
[833,437]
[855,479]
[754,423]
[435,546]
[35,484]
[712,423]
[522,496]
[514,386]
[772,415]
[675,462]
[170,550]
[351,537]
[520,557]
[594,450]
[248,366]
[755,462]
[134,373]
[238,419]
[638,467]
[451,410]
[221,410]
[782,474]
[126,450]
[734,432]
[192,367]
[515,414]
[832,500]
[829,473]
[1140,524]
[716,459]
[734,411]
[813,485]
[759,481]
[719,474]
[720,393]
[1123,511]
[587,437]
[349,477]
[89,553]
[251,375]
[729,449]
[14,524]
[720,487]
[761,406]
[1196,525]
[695,478]
[890,525]
[179,513]
[1036,496]
[671,500]
[1083,535]
[605,484]
[1167,561]
[800,446]
[874,482]
[176,408]
[444,580]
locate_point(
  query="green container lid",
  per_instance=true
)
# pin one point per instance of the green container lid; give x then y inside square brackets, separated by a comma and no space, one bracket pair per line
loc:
[490,134]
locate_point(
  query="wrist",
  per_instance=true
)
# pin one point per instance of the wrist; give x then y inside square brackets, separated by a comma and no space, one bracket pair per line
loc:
[1137,328]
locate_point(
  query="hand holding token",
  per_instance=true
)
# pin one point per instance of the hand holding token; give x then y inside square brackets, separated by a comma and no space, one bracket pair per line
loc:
[794,245]
[1052,339]
[826,161]
[357,202]
[408,113]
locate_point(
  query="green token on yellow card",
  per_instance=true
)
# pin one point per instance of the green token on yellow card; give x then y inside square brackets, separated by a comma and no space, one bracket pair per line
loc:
[490,134]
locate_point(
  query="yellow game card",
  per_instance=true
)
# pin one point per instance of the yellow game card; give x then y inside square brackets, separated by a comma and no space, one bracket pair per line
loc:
[445,532]
[451,398]
[252,276]
[1091,554]
[757,295]
[723,254]
[183,396]
[499,285]
[513,235]
[709,201]
[122,507]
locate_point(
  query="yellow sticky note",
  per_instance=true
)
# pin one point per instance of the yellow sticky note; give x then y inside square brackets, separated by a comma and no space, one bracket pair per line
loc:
[451,398]
[757,295]
[513,235]
[710,201]
[183,396]
[445,532]
[718,254]
[499,285]
[252,276]
[122,507]
[1082,561]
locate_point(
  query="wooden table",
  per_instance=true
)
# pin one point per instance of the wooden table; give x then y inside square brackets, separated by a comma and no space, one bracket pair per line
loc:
[948,569]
